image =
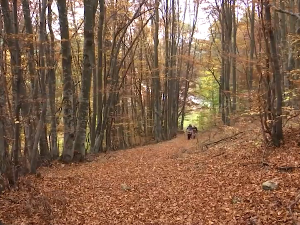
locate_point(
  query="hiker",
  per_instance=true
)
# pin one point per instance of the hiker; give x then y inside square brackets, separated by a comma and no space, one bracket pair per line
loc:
[195,131]
[189,131]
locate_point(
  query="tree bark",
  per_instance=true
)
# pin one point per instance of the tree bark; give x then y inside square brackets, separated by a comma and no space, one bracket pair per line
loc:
[98,76]
[42,83]
[277,133]
[173,117]
[252,47]
[88,59]
[234,51]
[68,90]
[52,86]
[3,144]
[15,59]
[30,124]
[156,81]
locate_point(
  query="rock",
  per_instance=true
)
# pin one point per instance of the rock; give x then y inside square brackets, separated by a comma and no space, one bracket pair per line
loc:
[236,200]
[125,187]
[270,185]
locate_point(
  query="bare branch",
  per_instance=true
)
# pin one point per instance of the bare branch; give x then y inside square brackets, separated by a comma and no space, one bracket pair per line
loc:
[297,15]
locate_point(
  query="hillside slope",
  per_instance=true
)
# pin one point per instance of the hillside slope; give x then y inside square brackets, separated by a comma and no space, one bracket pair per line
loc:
[175,182]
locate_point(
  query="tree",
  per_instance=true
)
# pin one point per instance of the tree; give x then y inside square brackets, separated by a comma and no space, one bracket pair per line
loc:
[68,89]
[156,80]
[15,60]
[276,131]
[86,77]
[44,99]
[3,121]
[98,77]
[50,56]
[42,83]
[252,46]
[189,65]
[234,52]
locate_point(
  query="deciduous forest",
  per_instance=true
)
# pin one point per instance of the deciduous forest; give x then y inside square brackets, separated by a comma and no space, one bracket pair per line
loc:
[96,96]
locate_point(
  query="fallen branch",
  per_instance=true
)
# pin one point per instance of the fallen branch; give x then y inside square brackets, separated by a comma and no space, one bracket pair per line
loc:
[223,139]
[222,153]
[290,208]
[10,200]
[287,168]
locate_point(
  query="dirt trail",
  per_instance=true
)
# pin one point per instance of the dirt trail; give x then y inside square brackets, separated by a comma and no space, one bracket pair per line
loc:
[167,183]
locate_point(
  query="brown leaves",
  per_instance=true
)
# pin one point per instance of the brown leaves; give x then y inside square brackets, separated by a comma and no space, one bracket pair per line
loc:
[166,183]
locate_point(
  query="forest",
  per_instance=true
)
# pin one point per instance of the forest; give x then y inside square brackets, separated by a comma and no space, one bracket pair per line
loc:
[83,80]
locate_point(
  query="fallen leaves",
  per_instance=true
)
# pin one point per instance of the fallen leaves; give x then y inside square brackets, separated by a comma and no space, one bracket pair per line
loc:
[166,183]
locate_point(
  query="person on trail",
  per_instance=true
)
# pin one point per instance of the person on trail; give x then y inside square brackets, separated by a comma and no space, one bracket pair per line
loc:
[189,131]
[195,131]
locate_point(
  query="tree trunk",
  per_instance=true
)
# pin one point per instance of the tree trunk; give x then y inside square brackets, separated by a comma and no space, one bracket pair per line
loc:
[252,47]
[234,48]
[52,87]
[226,25]
[44,145]
[30,124]
[40,132]
[114,70]
[3,144]
[156,81]
[88,59]
[283,41]
[68,110]
[173,121]
[165,103]
[189,66]
[99,76]
[15,59]
[277,133]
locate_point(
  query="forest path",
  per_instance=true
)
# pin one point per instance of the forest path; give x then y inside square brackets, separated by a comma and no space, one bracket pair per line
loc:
[167,183]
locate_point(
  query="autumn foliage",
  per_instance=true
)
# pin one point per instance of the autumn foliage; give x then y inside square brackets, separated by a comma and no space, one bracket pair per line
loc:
[175,182]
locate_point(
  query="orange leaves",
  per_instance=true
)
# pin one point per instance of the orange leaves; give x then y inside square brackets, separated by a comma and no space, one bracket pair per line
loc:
[166,183]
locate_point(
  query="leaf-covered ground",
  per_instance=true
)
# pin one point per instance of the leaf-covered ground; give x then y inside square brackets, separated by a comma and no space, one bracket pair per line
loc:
[175,182]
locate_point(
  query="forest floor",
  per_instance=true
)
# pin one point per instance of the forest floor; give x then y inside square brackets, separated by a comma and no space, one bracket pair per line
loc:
[174,182]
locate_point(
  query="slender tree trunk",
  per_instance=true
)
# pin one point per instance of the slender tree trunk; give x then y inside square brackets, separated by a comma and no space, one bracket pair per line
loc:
[226,25]
[165,107]
[297,45]
[277,133]
[189,65]
[30,124]
[52,87]
[173,121]
[99,76]
[68,90]
[44,147]
[292,30]
[114,70]
[234,48]
[252,46]
[284,52]
[3,144]
[88,59]
[39,133]
[15,59]
[156,81]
